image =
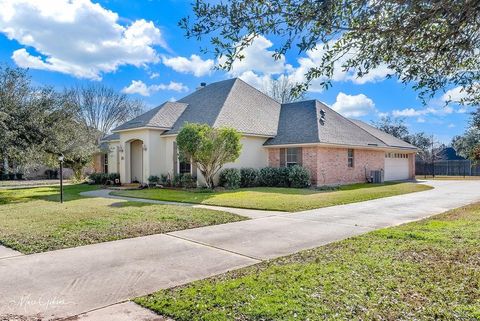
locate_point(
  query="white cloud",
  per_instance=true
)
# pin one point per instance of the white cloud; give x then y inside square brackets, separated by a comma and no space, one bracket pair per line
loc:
[258,58]
[411,112]
[258,66]
[76,37]
[193,65]
[353,105]
[455,94]
[314,59]
[139,87]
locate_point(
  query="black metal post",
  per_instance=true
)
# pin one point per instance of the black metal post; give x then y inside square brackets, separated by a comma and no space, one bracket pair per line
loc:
[61,181]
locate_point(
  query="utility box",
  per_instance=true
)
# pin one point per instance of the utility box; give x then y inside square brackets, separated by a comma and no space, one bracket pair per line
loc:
[377,177]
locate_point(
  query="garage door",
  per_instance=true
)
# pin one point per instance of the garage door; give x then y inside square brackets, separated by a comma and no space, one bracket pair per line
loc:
[396,166]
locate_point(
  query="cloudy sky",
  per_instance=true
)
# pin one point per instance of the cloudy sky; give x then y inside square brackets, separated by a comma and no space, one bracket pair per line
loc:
[137,47]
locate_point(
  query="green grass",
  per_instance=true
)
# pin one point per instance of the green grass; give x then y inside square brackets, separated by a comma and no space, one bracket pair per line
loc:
[427,270]
[32,220]
[280,199]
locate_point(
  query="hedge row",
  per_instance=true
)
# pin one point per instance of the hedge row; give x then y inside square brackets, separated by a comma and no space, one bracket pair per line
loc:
[178,180]
[104,178]
[295,176]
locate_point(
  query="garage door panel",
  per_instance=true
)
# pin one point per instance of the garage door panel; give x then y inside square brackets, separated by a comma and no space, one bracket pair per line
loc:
[396,169]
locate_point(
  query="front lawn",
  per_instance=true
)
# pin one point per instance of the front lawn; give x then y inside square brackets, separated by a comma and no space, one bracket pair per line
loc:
[427,270]
[280,199]
[32,220]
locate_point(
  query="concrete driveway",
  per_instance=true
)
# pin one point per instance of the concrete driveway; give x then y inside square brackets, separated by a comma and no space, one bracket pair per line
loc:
[72,281]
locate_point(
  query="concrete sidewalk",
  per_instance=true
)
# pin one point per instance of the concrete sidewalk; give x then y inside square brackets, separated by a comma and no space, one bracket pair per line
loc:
[85,279]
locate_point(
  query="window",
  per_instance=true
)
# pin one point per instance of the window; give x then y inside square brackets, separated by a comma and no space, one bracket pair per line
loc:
[292,157]
[185,167]
[105,163]
[350,158]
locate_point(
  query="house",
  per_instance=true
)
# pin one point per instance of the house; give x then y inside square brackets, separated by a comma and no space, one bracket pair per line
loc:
[336,150]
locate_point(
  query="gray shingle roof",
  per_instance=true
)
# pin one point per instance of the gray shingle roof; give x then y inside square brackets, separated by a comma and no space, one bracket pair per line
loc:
[163,116]
[388,139]
[231,103]
[108,138]
[300,124]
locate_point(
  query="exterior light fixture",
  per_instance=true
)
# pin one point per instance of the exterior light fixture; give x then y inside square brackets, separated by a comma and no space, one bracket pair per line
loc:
[60,160]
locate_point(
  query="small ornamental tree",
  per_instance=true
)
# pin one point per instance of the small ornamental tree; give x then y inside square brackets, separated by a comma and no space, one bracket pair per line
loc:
[210,148]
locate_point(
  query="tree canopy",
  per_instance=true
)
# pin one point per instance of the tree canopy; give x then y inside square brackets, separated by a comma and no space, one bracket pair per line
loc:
[101,107]
[281,90]
[396,127]
[210,148]
[430,44]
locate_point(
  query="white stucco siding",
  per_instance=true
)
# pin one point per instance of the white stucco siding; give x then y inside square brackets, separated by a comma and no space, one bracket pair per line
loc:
[253,155]
[113,157]
[150,139]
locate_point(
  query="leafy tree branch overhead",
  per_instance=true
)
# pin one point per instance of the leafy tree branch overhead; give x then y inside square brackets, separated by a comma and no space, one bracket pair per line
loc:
[430,44]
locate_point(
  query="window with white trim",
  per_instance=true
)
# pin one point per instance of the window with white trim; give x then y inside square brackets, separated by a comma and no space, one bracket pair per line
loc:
[291,156]
[350,160]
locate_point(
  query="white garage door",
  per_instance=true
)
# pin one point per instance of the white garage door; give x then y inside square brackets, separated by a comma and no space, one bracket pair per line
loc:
[396,166]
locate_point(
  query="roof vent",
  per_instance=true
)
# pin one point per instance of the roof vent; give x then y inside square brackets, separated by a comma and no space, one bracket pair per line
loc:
[322,117]
[202,85]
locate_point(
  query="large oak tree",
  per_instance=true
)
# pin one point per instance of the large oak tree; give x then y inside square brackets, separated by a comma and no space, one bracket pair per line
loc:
[431,44]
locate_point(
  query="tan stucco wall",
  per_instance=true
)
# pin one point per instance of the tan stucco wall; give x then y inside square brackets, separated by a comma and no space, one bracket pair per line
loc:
[113,157]
[253,154]
[151,156]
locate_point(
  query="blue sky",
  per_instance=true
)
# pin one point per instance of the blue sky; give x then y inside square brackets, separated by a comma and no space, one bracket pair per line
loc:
[136,47]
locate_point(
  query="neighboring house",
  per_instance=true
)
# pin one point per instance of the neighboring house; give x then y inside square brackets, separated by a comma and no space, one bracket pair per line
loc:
[335,149]
[448,153]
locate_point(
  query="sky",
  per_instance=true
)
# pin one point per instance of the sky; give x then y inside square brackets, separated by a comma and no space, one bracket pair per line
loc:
[137,48]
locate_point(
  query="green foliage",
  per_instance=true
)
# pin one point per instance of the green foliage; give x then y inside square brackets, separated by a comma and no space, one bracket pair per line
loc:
[153,179]
[383,275]
[274,177]
[177,180]
[104,178]
[298,177]
[187,181]
[230,178]
[267,176]
[432,44]
[165,180]
[209,147]
[468,144]
[248,177]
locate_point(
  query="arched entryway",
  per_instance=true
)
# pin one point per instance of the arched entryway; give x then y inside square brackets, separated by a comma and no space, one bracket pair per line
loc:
[136,161]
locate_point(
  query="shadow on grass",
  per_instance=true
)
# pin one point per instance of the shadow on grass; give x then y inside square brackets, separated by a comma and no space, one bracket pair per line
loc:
[46,193]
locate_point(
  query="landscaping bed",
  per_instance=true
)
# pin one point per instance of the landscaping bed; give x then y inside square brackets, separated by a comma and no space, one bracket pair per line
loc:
[277,198]
[426,270]
[32,220]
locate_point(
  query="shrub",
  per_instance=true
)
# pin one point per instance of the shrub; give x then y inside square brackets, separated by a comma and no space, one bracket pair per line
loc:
[248,177]
[113,177]
[153,179]
[177,180]
[283,177]
[298,177]
[187,181]
[165,180]
[230,178]
[99,178]
[273,176]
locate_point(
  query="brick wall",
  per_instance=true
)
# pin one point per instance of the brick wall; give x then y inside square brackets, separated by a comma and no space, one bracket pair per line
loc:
[329,166]
[332,165]
[274,157]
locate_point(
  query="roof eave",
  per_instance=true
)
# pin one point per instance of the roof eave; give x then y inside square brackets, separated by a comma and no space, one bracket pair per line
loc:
[140,128]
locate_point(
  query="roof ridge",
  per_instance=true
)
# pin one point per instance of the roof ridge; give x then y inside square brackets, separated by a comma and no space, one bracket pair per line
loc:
[246,83]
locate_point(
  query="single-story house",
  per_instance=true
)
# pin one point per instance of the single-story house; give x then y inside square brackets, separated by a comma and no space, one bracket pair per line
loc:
[335,150]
